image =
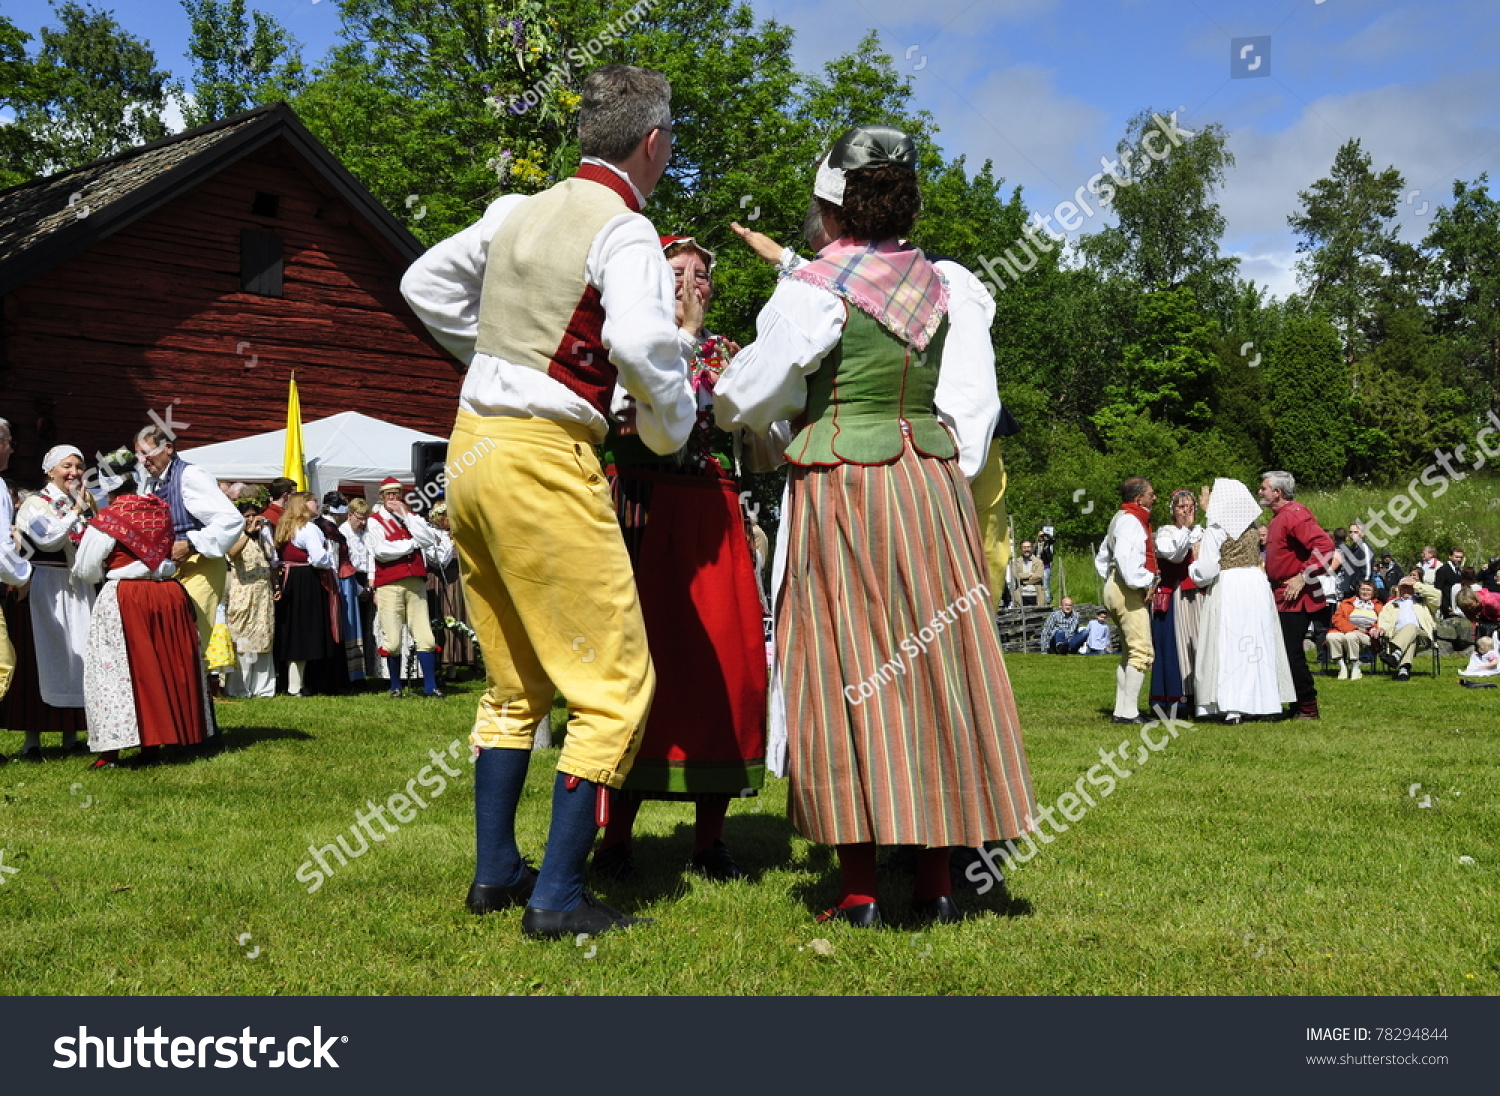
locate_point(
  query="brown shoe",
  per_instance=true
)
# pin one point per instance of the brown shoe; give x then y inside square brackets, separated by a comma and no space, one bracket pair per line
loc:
[1308,710]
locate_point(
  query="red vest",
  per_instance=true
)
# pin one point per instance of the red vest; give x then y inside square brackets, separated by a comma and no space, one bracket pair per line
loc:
[411,565]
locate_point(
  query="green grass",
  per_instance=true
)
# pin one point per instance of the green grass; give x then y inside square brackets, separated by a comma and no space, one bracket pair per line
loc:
[1283,858]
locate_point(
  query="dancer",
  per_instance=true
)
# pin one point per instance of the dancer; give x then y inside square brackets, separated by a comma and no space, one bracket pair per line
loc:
[50,523]
[1126,561]
[144,681]
[880,562]
[1174,607]
[1242,665]
[551,299]
[1296,548]
[705,739]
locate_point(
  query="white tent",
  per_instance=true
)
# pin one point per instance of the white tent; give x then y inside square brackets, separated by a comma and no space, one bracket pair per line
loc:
[347,448]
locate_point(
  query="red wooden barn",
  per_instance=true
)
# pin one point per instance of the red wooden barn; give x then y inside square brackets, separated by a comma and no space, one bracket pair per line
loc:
[196,273]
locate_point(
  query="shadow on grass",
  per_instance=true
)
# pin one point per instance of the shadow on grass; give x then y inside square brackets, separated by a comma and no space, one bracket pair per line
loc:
[234,739]
[758,842]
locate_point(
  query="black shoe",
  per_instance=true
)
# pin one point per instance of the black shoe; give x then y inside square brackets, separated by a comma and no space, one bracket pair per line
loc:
[614,861]
[590,917]
[436,694]
[78,747]
[1403,674]
[936,911]
[1137,720]
[715,863]
[30,753]
[1391,656]
[1467,684]
[866,916]
[396,694]
[490,897]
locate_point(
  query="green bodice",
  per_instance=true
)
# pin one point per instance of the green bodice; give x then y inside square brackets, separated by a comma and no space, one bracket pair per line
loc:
[868,394]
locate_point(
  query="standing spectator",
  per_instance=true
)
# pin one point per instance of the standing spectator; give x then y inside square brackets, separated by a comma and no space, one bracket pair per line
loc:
[1430,565]
[252,606]
[1063,633]
[1489,578]
[280,488]
[14,570]
[1350,634]
[1447,579]
[1295,543]
[1126,561]
[1028,577]
[306,609]
[50,523]
[398,539]
[1046,550]
[359,627]
[204,523]
[1388,574]
[1174,607]
[1358,561]
[1407,622]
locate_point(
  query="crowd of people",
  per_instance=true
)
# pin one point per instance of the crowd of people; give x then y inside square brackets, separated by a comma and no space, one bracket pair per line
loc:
[606,555]
[131,602]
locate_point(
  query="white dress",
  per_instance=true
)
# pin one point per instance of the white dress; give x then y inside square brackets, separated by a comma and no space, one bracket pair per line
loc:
[1242,664]
[62,607]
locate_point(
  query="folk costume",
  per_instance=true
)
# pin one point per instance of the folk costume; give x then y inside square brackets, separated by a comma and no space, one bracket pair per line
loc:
[144,680]
[203,516]
[552,299]
[1126,561]
[307,613]
[397,543]
[705,739]
[251,614]
[1242,665]
[15,570]
[900,725]
[1174,618]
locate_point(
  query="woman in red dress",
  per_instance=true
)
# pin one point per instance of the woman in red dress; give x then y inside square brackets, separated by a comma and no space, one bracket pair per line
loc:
[143,678]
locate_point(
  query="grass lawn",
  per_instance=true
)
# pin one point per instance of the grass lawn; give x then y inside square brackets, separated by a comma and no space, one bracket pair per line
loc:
[1273,858]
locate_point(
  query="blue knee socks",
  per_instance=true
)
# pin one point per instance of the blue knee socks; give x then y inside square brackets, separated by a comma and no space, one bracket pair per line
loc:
[393,666]
[499,776]
[560,886]
[428,661]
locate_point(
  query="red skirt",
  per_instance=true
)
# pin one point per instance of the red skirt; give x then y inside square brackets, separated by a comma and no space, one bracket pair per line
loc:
[165,674]
[706,734]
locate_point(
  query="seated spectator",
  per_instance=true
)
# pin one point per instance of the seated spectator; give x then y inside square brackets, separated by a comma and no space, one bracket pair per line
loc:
[1027,575]
[1405,622]
[1350,634]
[1482,608]
[1063,633]
[1484,662]
[1429,563]
[1097,641]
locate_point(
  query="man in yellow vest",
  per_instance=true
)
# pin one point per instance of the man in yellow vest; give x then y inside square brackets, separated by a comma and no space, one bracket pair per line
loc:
[553,300]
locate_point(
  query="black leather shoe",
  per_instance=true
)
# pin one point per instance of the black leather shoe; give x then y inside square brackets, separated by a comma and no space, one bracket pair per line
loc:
[590,916]
[1403,674]
[936,911]
[866,916]
[436,694]
[490,897]
[715,863]
[1137,720]
[1467,684]
[614,861]
[30,753]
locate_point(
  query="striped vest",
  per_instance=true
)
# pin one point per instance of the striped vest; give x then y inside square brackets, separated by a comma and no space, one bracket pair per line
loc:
[537,308]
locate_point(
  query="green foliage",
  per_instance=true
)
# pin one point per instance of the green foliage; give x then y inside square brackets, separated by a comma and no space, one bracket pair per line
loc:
[1168,371]
[1464,245]
[238,63]
[91,90]
[1310,413]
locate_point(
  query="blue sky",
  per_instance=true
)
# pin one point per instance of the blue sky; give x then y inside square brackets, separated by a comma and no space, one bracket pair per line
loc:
[1044,87]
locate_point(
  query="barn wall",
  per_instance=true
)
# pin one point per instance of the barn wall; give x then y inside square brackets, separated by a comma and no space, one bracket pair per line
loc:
[153,316]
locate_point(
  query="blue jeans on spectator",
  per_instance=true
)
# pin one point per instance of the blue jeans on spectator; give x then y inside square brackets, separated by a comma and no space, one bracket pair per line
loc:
[1068,645]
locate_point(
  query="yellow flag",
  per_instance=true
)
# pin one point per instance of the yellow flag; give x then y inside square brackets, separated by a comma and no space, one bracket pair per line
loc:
[294,467]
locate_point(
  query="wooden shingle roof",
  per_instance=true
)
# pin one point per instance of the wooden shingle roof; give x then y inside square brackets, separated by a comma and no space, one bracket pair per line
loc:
[46,222]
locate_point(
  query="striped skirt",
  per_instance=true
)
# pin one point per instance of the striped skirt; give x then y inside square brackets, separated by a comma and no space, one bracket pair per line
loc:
[901,725]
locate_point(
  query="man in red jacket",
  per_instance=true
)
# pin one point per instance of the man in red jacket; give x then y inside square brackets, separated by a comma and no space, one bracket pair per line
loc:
[1296,548]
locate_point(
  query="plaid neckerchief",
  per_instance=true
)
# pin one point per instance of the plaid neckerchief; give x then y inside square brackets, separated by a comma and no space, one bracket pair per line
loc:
[892,282]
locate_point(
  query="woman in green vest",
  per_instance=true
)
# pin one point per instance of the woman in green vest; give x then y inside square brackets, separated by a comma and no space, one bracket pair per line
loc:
[900,727]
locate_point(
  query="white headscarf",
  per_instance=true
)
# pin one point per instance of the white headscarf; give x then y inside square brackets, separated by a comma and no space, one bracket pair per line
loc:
[56,454]
[1232,507]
